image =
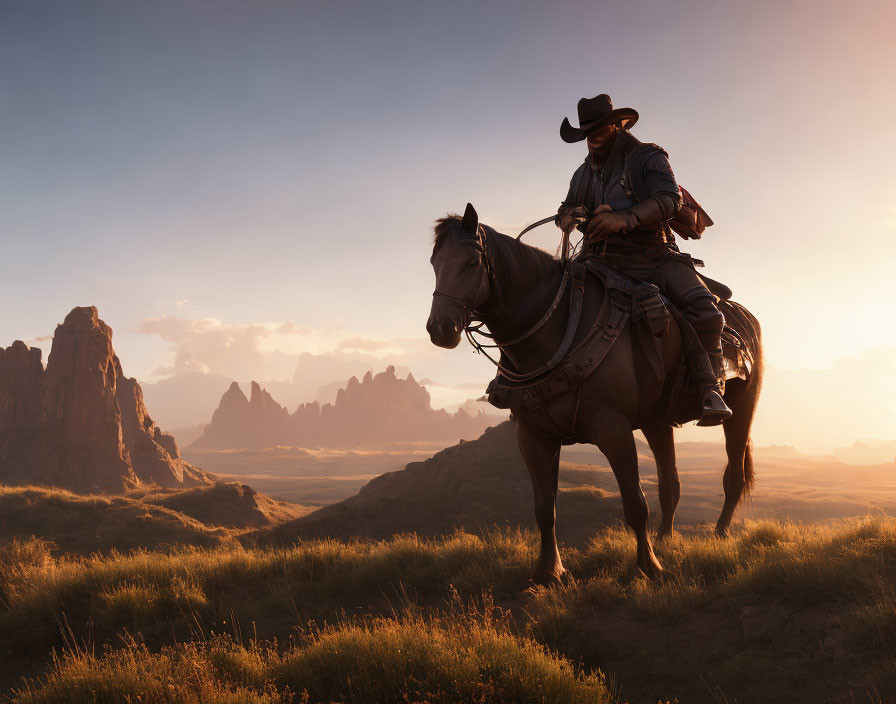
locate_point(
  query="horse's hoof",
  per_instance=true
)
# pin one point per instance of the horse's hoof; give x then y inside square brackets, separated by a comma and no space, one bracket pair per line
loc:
[654,574]
[664,534]
[550,579]
[723,533]
[651,568]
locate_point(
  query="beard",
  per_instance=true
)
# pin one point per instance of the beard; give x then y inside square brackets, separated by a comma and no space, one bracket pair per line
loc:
[601,150]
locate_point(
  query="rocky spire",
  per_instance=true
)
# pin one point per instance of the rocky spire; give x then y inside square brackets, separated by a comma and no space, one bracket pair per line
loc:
[81,424]
[80,409]
[238,422]
[21,378]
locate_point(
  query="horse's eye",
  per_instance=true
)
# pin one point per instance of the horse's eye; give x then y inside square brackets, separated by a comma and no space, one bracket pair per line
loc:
[474,260]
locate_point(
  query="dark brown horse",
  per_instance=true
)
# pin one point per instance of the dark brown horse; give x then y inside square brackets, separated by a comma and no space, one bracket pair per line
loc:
[484,275]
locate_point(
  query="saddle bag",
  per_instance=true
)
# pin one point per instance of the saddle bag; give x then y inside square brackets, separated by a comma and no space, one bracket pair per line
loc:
[691,220]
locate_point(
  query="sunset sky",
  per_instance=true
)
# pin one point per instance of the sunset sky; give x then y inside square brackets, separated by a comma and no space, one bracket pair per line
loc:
[233,183]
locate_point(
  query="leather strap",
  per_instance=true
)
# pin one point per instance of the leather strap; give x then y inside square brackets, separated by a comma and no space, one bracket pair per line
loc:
[583,185]
[539,223]
[611,319]
[547,314]
[577,297]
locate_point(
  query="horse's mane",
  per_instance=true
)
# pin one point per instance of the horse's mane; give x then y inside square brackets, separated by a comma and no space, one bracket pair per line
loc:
[518,268]
[443,227]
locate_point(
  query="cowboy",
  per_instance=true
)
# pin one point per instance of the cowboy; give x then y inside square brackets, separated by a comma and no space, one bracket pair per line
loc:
[621,198]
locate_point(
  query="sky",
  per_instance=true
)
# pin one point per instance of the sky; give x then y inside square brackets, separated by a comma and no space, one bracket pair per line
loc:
[233,183]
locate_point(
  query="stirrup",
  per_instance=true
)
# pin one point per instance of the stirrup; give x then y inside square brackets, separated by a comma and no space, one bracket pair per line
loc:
[715,410]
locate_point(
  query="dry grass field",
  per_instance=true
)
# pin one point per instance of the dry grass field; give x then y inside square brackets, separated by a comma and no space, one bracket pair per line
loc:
[781,612]
[214,595]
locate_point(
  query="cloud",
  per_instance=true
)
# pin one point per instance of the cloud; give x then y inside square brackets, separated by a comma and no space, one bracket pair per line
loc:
[381,348]
[210,345]
[266,350]
[163,370]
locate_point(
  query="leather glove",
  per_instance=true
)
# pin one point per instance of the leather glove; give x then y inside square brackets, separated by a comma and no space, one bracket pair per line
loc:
[605,222]
[568,217]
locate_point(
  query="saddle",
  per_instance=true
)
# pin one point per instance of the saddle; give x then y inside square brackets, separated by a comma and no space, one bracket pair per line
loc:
[626,301]
[580,361]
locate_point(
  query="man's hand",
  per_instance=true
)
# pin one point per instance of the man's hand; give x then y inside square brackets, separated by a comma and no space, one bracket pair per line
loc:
[605,223]
[567,217]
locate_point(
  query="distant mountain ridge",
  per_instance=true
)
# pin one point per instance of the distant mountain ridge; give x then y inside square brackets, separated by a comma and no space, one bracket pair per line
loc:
[867,452]
[378,409]
[80,424]
[189,398]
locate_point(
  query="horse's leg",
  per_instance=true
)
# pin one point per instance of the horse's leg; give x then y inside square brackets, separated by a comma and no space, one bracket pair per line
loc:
[739,470]
[542,457]
[614,438]
[662,444]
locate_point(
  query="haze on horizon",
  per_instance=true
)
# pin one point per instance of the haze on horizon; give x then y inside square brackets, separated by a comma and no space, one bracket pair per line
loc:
[233,184]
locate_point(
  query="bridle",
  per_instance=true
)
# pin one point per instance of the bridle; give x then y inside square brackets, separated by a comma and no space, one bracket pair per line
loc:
[487,278]
[468,307]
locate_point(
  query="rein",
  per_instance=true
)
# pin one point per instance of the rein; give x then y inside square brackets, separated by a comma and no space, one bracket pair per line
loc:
[471,330]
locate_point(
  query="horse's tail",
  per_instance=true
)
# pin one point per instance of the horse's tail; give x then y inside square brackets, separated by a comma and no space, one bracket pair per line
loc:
[749,472]
[747,397]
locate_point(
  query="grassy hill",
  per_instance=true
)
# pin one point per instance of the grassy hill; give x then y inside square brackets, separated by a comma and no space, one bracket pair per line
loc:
[473,485]
[483,483]
[145,519]
[781,612]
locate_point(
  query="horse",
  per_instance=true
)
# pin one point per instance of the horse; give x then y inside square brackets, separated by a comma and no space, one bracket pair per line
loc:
[511,287]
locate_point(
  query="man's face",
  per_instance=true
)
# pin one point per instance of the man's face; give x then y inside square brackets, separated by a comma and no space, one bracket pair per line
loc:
[600,141]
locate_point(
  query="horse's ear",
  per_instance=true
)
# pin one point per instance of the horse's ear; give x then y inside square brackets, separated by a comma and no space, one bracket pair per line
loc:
[471,219]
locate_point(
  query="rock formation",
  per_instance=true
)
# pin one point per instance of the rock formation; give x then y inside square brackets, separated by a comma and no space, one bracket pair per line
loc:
[80,423]
[378,409]
[21,371]
[189,397]
[240,422]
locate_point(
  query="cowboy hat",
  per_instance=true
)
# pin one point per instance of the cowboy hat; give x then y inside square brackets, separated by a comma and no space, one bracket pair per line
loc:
[594,113]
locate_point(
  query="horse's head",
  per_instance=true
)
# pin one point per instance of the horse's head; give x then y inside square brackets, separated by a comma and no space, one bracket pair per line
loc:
[463,283]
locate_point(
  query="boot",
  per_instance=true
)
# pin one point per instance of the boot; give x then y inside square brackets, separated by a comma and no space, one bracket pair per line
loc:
[715,410]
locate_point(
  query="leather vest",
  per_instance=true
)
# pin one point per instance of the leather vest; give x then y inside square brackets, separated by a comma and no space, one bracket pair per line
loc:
[621,184]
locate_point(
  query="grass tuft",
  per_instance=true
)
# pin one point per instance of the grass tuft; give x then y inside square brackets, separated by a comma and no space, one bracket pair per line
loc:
[19,558]
[466,657]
